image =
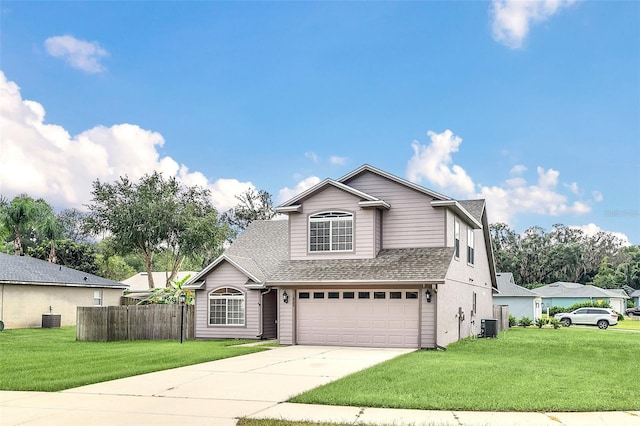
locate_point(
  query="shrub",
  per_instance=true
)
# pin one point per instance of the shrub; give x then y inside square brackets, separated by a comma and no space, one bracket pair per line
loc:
[555,323]
[512,321]
[525,322]
[557,309]
[540,322]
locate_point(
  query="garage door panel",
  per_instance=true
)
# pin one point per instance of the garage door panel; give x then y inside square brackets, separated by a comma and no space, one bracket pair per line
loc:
[377,321]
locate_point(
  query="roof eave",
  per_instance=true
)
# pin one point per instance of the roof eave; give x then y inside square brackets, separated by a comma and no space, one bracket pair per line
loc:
[375,203]
[455,206]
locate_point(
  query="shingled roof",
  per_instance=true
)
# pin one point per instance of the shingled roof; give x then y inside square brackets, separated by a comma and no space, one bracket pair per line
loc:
[29,270]
[261,252]
[564,289]
[508,288]
[391,265]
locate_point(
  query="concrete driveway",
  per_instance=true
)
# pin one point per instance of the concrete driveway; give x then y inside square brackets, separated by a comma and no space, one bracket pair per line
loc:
[212,393]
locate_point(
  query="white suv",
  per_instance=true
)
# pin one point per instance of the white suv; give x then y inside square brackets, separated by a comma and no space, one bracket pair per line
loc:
[601,317]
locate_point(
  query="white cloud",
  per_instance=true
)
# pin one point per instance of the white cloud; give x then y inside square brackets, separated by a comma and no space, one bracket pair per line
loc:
[338,161]
[597,196]
[44,160]
[512,197]
[80,54]
[573,187]
[286,194]
[592,229]
[518,169]
[312,156]
[512,18]
[434,163]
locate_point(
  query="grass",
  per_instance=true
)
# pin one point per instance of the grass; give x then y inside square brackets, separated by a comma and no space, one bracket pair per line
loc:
[51,359]
[569,369]
[627,324]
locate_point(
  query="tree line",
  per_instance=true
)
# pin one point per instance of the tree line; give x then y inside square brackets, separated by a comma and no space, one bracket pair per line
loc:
[537,257]
[154,224]
[159,224]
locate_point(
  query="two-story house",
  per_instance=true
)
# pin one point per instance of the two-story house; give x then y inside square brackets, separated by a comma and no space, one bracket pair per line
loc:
[369,259]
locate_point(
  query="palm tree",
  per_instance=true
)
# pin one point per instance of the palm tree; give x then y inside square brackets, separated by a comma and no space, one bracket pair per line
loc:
[16,217]
[50,230]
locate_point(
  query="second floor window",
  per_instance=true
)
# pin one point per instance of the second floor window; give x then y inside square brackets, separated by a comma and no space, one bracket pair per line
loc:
[470,247]
[456,236]
[331,231]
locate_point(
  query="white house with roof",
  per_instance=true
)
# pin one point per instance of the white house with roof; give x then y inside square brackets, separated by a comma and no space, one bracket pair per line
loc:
[31,287]
[567,294]
[522,302]
[369,259]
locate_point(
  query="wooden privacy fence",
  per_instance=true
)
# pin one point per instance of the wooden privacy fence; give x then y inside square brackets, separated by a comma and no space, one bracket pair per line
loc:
[144,322]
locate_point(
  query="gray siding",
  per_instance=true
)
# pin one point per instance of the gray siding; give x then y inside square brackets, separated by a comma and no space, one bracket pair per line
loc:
[225,275]
[285,318]
[428,321]
[411,221]
[332,198]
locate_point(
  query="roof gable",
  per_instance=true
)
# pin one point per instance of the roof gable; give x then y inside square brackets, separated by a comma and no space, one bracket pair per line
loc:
[366,168]
[508,287]
[367,199]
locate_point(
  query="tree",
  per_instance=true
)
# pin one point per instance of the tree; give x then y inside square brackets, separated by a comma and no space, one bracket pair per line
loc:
[253,206]
[78,256]
[156,214]
[23,218]
[73,225]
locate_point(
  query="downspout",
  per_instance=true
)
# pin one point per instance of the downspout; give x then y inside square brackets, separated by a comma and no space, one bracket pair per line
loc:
[261,319]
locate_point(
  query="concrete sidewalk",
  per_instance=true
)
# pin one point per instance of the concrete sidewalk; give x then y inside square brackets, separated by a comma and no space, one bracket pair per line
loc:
[255,386]
[211,393]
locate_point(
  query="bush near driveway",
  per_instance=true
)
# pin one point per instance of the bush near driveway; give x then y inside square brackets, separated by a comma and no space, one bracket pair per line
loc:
[51,359]
[525,369]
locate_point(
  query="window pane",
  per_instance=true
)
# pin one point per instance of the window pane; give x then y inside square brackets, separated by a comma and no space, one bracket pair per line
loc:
[303,295]
[347,295]
[318,295]
[333,295]
[379,295]
[411,295]
[395,295]
[363,295]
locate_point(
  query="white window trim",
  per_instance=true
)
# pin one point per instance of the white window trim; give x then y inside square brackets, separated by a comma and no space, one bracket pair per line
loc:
[100,297]
[241,296]
[313,218]
[471,251]
[456,238]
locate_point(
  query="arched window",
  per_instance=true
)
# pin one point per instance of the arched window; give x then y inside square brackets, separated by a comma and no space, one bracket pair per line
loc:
[226,306]
[331,231]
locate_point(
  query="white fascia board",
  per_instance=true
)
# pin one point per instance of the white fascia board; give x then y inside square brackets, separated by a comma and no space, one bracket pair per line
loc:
[296,208]
[455,206]
[376,203]
[292,202]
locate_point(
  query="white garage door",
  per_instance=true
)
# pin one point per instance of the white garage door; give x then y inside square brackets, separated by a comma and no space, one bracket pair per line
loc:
[377,318]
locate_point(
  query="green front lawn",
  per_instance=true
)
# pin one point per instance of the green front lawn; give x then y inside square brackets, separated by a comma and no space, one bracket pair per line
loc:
[51,359]
[569,369]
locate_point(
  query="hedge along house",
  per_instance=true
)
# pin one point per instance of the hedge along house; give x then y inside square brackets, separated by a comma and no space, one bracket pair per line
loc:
[369,259]
[32,287]
[565,294]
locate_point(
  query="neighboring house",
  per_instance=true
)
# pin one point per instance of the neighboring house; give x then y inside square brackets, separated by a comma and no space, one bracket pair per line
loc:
[635,297]
[369,259]
[567,294]
[521,301]
[139,283]
[31,287]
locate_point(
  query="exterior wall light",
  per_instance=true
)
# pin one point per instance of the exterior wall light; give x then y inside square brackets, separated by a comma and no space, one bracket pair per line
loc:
[428,294]
[285,297]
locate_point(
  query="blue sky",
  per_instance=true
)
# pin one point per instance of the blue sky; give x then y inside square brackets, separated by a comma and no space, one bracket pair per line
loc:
[534,106]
